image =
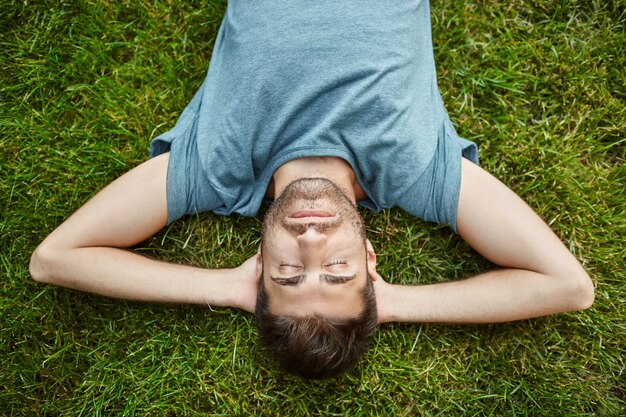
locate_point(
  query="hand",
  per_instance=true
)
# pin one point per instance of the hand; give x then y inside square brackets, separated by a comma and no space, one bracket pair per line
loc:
[381,288]
[246,277]
[383,298]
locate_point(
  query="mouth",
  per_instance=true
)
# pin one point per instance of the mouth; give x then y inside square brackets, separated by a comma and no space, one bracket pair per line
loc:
[310,213]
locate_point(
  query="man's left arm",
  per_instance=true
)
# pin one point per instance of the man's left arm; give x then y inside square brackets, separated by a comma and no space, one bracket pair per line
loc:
[539,276]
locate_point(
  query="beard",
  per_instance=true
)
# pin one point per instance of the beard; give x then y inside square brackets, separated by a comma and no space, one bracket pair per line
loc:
[311,194]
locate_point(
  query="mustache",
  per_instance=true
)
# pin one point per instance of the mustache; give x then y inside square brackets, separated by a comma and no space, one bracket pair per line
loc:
[302,228]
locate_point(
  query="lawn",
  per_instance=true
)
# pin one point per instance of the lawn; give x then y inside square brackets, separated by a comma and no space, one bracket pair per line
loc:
[539,85]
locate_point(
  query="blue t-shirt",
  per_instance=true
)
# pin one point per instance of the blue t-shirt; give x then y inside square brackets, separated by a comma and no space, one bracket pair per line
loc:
[287,79]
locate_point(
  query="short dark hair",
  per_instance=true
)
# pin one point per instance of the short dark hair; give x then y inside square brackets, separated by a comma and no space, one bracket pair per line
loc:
[315,346]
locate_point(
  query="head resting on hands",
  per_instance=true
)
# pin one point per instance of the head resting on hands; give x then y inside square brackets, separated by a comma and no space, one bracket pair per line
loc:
[316,307]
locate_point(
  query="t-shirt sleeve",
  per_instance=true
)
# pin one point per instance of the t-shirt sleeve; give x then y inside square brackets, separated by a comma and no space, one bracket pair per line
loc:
[188,189]
[435,195]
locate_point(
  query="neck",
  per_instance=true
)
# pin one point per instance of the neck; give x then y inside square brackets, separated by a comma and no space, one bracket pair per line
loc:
[333,169]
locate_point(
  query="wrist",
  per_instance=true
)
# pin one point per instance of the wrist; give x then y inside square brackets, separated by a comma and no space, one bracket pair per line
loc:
[385,302]
[403,303]
[219,287]
[235,286]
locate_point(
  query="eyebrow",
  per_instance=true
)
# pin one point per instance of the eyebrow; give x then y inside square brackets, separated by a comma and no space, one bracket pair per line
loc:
[297,279]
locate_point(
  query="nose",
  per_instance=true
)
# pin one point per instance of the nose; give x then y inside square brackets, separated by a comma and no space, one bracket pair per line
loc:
[311,238]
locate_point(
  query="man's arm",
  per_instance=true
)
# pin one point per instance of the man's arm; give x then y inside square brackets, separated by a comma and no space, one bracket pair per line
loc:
[88,252]
[539,276]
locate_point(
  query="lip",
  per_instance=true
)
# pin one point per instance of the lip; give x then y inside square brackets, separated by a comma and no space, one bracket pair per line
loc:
[311,213]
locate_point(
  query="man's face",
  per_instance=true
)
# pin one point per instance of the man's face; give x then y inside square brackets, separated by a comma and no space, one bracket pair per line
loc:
[314,251]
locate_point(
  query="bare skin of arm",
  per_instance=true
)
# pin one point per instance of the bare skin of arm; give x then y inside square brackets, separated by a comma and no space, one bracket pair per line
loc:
[89,251]
[539,276]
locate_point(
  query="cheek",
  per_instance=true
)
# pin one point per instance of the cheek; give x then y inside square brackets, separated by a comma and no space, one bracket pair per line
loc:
[276,244]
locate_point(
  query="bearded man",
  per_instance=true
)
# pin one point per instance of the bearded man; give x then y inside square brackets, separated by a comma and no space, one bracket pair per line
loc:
[319,106]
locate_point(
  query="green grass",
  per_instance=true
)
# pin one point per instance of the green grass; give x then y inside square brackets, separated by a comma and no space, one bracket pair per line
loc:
[539,85]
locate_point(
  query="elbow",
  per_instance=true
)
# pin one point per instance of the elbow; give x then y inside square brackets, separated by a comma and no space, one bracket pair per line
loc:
[580,290]
[42,262]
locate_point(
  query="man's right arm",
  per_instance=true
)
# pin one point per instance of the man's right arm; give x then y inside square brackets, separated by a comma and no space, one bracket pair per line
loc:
[89,251]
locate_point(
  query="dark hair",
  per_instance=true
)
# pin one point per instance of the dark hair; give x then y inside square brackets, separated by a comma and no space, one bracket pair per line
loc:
[316,346]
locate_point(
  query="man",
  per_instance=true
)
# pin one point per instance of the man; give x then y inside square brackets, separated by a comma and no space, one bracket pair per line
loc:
[319,106]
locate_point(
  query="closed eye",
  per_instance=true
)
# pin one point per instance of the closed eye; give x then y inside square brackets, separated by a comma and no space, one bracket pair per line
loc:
[336,262]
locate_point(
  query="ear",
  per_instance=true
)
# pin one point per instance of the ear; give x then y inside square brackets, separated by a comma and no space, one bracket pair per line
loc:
[371,261]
